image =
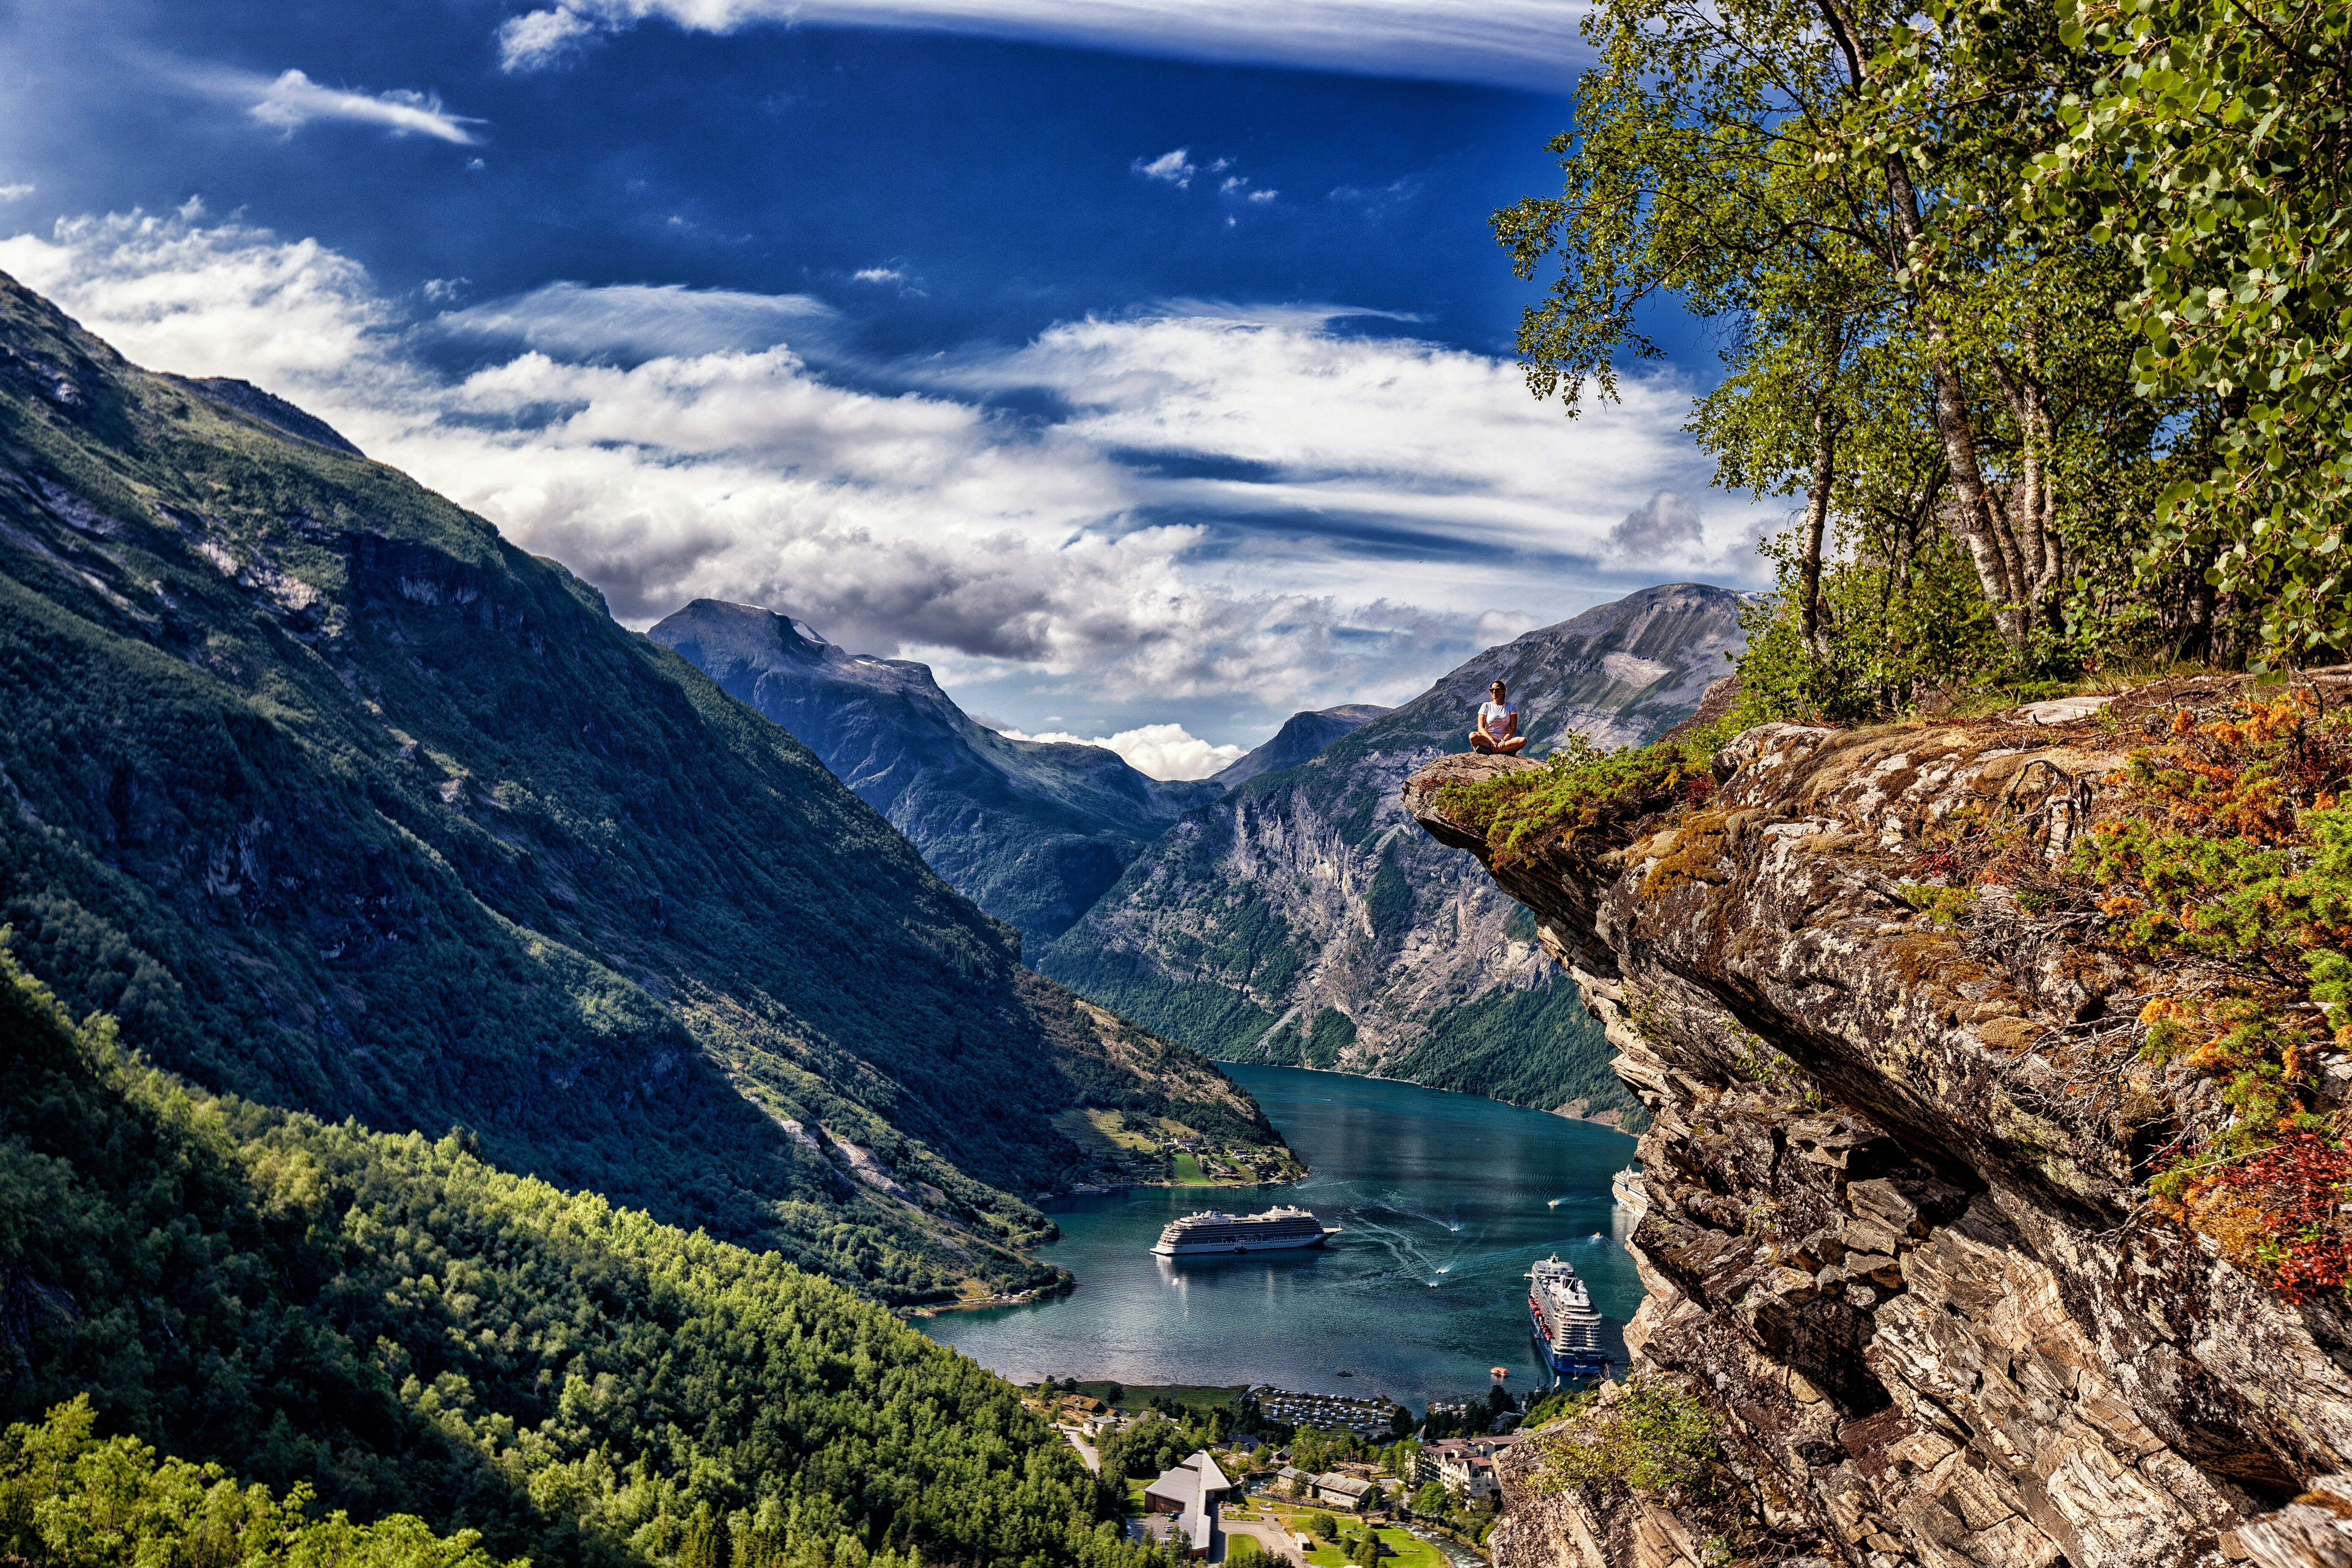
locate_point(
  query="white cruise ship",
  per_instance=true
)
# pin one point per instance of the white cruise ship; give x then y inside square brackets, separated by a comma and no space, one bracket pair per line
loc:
[1626,1189]
[1560,1311]
[1277,1229]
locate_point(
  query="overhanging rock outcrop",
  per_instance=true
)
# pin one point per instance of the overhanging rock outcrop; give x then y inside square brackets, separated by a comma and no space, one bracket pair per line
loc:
[1897,1237]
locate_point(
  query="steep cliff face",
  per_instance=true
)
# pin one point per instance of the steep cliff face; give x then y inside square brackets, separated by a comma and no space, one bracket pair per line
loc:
[1303,919]
[1900,1239]
[1032,832]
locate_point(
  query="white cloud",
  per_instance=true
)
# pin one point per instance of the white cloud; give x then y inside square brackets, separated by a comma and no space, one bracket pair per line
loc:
[1162,750]
[1508,43]
[15,192]
[638,319]
[1237,502]
[1177,168]
[1264,196]
[878,275]
[293,100]
[540,38]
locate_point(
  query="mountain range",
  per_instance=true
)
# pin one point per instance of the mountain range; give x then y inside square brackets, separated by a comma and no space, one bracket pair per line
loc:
[1303,919]
[1031,831]
[338,801]
[1302,735]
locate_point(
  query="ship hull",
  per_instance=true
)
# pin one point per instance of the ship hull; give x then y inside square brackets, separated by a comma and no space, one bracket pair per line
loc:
[1246,1244]
[1566,1362]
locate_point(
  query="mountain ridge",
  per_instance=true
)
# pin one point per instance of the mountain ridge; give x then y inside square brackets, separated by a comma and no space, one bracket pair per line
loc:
[1032,831]
[342,801]
[1304,918]
[1302,735]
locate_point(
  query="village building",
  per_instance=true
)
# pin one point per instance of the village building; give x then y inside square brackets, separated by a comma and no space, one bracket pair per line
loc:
[1191,1492]
[1464,1465]
[1346,1491]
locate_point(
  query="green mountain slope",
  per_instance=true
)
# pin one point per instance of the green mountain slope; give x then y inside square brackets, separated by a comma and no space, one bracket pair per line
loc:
[1030,831]
[1304,920]
[342,802]
[395,1323]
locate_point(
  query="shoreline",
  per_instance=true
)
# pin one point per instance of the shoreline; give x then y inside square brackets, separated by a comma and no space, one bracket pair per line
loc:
[1561,1112]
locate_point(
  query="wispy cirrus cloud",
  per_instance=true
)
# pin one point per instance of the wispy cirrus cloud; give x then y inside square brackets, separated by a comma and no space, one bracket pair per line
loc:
[290,101]
[1505,43]
[636,321]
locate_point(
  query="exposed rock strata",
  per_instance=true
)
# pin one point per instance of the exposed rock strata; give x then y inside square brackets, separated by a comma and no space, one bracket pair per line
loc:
[1895,1237]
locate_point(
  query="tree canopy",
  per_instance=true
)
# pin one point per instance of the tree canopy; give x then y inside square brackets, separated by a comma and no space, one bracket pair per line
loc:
[2037,305]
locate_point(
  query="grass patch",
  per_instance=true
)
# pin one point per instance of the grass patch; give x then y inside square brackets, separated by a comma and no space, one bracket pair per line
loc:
[1188,1173]
[1581,789]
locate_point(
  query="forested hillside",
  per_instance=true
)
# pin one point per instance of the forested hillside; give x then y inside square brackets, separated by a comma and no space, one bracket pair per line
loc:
[1030,831]
[341,803]
[1304,920]
[393,1322]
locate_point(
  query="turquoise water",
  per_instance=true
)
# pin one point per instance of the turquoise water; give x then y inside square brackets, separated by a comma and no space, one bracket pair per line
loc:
[1442,1201]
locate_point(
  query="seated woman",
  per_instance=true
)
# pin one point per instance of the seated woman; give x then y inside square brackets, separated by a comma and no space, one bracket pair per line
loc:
[1498,725]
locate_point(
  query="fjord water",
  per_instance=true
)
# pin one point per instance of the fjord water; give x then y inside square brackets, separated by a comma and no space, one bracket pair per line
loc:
[1442,1201]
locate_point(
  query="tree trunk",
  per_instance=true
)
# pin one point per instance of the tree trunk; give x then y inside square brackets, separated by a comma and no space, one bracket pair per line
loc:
[1817,511]
[1976,519]
[2032,514]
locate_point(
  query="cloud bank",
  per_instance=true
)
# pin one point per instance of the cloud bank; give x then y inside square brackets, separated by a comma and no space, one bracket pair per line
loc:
[1505,43]
[1162,750]
[1232,506]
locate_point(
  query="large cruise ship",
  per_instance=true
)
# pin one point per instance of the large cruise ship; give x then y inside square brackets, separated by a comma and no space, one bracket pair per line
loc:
[1217,1231]
[1565,1324]
[1626,1189]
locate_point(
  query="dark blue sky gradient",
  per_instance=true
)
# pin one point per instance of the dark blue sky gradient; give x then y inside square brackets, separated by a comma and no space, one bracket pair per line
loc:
[997,176]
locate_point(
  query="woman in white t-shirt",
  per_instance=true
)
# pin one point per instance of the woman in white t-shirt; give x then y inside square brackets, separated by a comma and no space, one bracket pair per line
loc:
[1498,724]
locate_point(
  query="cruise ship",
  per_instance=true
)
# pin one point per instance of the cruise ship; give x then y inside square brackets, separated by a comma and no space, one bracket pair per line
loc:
[1626,1189]
[1216,1231]
[1565,1324]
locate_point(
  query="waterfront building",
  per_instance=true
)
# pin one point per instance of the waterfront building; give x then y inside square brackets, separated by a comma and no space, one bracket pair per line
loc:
[1464,1465]
[1191,1492]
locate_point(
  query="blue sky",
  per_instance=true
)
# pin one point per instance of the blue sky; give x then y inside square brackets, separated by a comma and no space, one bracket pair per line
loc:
[1135,363]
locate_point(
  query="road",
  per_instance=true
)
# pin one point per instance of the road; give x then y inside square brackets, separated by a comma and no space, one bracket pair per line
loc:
[1278,1541]
[1086,1449]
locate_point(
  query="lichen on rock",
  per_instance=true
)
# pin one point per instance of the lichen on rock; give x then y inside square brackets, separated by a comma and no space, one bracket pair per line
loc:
[1901,1239]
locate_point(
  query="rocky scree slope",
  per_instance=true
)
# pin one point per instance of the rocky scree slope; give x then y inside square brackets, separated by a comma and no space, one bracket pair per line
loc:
[1304,920]
[1901,1239]
[1032,832]
[342,802]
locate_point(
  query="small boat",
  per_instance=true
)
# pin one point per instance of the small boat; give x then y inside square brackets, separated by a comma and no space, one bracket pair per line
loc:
[1553,1204]
[1345,1372]
[1498,1373]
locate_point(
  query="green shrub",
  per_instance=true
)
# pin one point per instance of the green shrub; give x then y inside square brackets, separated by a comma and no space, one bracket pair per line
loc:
[1654,1439]
[69,1499]
[1581,789]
